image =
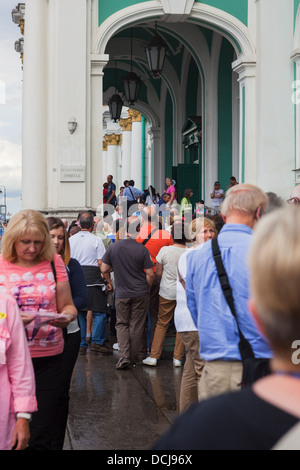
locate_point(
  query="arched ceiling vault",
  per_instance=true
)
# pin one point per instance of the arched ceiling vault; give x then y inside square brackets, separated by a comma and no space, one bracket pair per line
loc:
[182,39]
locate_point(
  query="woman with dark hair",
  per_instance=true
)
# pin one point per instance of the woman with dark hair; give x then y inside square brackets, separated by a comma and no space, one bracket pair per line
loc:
[60,240]
[166,269]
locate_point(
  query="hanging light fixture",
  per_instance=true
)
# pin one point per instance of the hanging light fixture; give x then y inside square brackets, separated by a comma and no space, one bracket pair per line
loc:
[115,103]
[156,54]
[131,83]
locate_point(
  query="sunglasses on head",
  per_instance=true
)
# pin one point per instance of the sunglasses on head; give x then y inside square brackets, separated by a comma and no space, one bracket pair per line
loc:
[294,200]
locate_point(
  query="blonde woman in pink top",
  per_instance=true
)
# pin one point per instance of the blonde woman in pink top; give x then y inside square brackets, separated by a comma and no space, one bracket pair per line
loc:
[17,391]
[41,291]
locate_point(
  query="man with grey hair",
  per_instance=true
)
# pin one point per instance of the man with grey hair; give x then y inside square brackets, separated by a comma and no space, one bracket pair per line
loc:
[218,332]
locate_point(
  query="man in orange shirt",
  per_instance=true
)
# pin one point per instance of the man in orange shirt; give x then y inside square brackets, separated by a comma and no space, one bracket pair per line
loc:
[154,239]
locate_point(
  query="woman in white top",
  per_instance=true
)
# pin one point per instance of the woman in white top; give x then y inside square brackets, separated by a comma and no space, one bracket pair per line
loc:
[166,268]
[202,230]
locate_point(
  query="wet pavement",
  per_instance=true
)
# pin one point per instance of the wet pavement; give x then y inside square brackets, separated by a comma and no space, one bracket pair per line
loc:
[125,409]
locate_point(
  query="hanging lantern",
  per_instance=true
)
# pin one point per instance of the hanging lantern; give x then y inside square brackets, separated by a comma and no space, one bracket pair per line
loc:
[115,107]
[156,54]
[115,103]
[132,84]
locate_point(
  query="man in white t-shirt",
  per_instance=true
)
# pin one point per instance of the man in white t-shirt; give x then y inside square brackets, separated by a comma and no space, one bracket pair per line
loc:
[217,196]
[89,249]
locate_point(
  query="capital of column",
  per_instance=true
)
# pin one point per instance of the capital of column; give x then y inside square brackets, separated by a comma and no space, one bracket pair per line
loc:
[98,62]
[104,146]
[296,56]
[245,67]
[126,124]
[135,115]
[113,139]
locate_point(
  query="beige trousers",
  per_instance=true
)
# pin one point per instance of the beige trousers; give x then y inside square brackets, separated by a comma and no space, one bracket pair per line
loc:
[192,372]
[165,315]
[220,377]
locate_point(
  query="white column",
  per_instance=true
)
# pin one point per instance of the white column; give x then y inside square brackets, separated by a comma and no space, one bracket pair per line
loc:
[104,161]
[94,170]
[150,157]
[136,148]
[158,161]
[34,145]
[126,125]
[275,118]
[248,149]
[113,142]
[296,101]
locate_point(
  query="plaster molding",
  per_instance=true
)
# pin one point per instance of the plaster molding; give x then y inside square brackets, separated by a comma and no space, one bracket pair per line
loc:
[126,124]
[220,21]
[113,139]
[177,10]
[135,115]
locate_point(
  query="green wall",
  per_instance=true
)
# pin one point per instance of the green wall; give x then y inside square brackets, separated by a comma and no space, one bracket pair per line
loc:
[225,114]
[192,88]
[108,8]
[237,8]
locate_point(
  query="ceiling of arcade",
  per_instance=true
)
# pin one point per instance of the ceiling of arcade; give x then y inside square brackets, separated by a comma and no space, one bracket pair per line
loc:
[185,42]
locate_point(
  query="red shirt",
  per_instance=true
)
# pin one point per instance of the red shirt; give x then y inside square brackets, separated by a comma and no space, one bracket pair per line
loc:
[159,239]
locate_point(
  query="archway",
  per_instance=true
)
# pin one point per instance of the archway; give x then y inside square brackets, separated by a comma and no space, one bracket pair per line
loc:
[192,38]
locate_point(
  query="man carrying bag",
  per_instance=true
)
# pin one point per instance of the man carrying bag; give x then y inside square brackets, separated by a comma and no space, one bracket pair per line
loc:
[219,330]
[253,368]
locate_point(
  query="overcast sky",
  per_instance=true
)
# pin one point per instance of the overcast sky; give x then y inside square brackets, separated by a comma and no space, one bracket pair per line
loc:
[10,108]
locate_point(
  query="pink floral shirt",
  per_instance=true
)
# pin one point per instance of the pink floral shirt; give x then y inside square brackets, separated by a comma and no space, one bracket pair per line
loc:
[34,289]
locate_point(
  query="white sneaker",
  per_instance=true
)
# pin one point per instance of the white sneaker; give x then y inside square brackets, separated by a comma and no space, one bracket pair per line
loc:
[176,362]
[150,361]
[116,347]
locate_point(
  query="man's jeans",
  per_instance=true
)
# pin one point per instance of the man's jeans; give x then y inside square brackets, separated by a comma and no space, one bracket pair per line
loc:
[99,328]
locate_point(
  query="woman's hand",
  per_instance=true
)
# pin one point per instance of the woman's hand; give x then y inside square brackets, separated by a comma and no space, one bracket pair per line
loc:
[27,319]
[64,321]
[21,434]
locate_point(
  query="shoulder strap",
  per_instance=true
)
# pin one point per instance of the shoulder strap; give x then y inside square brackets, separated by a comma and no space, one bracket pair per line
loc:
[245,347]
[290,441]
[54,270]
[131,192]
[149,236]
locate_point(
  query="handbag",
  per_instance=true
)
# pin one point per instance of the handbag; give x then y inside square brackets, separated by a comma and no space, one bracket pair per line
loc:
[253,368]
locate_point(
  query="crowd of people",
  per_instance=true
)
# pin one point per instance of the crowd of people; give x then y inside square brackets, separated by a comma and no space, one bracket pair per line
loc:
[145,263]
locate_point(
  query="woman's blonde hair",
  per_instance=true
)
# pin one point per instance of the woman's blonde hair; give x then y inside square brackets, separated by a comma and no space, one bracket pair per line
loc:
[198,224]
[275,277]
[244,198]
[23,223]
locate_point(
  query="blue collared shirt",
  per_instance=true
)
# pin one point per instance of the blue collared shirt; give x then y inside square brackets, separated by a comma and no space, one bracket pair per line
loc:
[216,325]
[132,193]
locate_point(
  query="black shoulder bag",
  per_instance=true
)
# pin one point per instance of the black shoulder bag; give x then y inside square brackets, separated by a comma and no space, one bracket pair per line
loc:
[253,368]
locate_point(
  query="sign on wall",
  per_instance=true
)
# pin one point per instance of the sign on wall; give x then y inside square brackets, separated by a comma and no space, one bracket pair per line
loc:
[72,173]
